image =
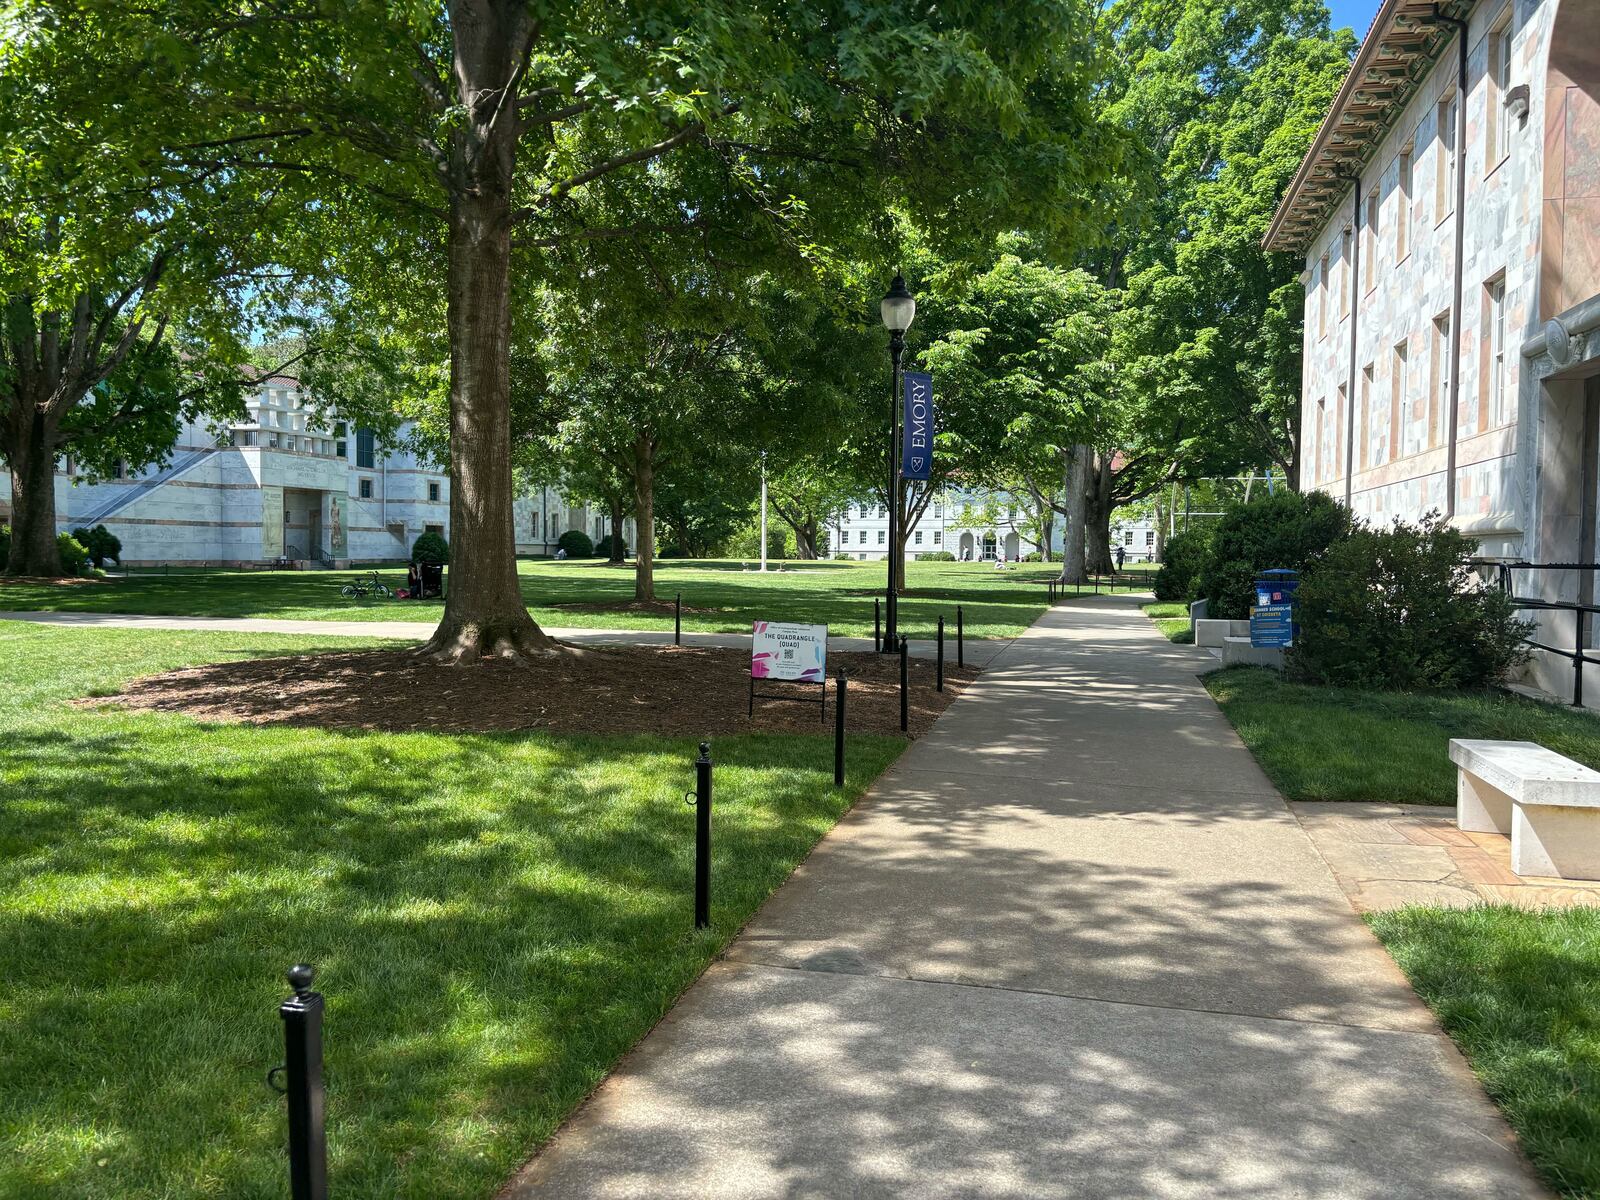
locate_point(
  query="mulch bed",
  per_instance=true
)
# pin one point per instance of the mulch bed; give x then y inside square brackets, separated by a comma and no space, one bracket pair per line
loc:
[671,690]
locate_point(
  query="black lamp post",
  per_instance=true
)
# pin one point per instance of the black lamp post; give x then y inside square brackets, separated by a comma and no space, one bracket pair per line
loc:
[899,308]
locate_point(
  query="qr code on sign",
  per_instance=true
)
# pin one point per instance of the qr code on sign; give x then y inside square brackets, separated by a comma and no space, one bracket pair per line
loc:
[788,653]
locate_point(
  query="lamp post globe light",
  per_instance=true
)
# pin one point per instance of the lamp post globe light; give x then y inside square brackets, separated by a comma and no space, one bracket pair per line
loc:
[899,309]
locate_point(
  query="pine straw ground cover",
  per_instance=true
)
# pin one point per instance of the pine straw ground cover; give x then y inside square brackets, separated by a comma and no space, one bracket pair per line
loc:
[495,917]
[685,690]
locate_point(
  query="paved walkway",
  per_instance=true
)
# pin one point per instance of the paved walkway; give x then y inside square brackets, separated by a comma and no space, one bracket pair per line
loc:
[1073,944]
[978,651]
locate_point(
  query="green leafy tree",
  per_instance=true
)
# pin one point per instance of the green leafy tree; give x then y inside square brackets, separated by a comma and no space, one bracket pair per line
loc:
[457,141]
[128,274]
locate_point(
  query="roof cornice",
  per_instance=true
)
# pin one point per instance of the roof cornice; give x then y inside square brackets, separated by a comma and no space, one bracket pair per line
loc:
[1400,50]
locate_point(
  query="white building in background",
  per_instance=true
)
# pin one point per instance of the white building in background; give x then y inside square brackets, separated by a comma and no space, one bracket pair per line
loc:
[284,485]
[1448,213]
[975,525]
[1137,537]
[277,485]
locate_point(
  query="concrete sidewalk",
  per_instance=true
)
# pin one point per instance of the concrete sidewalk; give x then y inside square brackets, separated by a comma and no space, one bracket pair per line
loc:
[1073,944]
[978,651]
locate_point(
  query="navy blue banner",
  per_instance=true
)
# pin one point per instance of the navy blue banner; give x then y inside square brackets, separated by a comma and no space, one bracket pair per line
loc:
[916,447]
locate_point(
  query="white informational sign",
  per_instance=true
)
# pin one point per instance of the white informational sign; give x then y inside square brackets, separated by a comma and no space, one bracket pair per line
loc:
[788,651]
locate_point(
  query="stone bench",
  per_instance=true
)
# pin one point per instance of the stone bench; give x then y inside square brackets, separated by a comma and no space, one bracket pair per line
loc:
[1549,806]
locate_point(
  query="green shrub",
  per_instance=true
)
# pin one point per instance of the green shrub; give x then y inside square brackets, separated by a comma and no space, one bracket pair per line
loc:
[1031,556]
[928,556]
[1182,559]
[101,544]
[5,546]
[73,555]
[1283,529]
[843,557]
[603,550]
[1399,608]
[576,543]
[430,548]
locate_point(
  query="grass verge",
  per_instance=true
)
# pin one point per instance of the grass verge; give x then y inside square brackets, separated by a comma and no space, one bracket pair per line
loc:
[1321,743]
[1519,992]
[718,597]
[1172,618]
[494,919]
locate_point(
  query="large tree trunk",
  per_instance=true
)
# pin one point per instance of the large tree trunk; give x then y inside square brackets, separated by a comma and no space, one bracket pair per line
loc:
[33,495]
[1075,495]
[484,613]
[1097,518]
[617,557]
[644,519]
[805,538]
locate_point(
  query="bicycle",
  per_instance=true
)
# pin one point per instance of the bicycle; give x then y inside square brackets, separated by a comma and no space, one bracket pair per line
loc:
[361,588]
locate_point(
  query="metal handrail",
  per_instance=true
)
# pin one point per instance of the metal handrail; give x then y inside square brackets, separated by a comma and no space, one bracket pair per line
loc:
[1578,655]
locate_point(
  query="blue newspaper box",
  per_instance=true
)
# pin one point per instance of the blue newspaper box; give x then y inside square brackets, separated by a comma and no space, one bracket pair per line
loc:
[1272,617]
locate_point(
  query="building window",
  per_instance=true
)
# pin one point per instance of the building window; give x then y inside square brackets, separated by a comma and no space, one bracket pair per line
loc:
[1444,200]
[1402,433]
[1439,375]
[1402,214]
[880,537]
[365,489]
[917,537]
[863,537]
[1127,538]
[1149,538]
[1341,408]
[1346,246]
[1495,339]
[1323,284]
[1499,121]
[340,432]
[1369,428]
[366,449]
[288,443]
[433,492]
[938,537]
[1369,250]
[938,509]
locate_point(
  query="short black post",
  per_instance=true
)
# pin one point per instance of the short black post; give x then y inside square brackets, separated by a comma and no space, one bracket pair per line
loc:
[940,676]
[302,1071]
[702,838]
[839,689]
[877,625]
[961,641]
[905,698]
[677,620]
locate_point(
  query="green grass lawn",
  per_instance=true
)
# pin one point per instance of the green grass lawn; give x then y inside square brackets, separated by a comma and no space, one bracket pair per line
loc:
[1319,743]
[718,597]
[1520,993]
[494,920]
[1172,618]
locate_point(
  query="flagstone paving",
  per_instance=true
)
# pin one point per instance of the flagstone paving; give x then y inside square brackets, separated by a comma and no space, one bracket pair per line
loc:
[1073,944]
[1389,855]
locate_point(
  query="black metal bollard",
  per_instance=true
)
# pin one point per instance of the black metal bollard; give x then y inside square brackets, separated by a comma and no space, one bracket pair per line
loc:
[939,679]
[961,641]
[839,691]
[302,1072]
[877,625]
[905,697]
[677,620]
[702,837]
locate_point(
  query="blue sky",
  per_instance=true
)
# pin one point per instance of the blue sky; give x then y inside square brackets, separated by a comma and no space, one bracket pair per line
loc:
[1355,13]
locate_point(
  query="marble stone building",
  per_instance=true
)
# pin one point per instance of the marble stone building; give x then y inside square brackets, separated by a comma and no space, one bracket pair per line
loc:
[1448,213]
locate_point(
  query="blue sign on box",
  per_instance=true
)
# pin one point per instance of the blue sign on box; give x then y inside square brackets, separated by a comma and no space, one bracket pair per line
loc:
[1272,625]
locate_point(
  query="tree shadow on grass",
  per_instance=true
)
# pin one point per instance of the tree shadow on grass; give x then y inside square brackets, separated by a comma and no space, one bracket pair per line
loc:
[494,919]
